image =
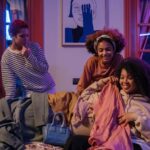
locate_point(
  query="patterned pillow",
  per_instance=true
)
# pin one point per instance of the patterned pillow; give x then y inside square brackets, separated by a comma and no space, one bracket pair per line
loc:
[41,146]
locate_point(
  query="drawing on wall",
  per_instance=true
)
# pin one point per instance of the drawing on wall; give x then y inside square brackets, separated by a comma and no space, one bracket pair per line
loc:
[80,18]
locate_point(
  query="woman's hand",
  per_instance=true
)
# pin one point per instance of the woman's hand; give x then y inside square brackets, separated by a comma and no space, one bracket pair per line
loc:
[127,117]
[25,51]
[111,79]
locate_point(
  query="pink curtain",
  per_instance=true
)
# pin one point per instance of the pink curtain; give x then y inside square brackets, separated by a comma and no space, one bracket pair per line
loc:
[2,38]
[35,20]
[145,18]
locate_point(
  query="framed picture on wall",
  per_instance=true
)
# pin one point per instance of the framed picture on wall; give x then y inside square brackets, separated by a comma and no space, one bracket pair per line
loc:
[81,18]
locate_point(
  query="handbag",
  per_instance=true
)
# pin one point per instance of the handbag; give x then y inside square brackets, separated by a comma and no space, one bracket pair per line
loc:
[56,133]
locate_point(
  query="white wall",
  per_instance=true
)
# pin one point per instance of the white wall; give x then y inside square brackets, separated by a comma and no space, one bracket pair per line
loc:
[66,63]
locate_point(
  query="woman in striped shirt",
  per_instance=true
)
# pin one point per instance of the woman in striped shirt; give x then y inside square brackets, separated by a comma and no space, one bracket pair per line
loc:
[24,62]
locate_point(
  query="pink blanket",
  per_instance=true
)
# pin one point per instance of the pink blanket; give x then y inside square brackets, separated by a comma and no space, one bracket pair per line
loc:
[106,132]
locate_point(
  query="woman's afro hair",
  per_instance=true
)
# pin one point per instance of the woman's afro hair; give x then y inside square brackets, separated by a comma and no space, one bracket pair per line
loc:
[140,71]
[116,36]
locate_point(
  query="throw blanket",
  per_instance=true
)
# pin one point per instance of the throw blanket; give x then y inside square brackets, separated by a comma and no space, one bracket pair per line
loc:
[86,101]
[106,133]
[41,146]
[63,101]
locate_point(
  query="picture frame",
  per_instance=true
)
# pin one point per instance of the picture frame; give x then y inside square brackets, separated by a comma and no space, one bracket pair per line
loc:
[80,18]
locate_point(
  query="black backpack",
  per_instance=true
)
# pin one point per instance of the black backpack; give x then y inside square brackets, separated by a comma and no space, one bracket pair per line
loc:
[23,113]
[10,137]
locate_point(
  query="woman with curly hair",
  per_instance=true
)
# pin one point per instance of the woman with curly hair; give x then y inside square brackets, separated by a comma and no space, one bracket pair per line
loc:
[131,88]
[105,45]
[134,86]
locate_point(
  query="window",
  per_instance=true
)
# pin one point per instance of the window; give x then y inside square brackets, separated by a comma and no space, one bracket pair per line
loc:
[137,29]
[7,23]
[144,29]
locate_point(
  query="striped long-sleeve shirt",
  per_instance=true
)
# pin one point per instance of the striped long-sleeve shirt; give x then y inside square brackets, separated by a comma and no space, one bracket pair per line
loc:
[31,71]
